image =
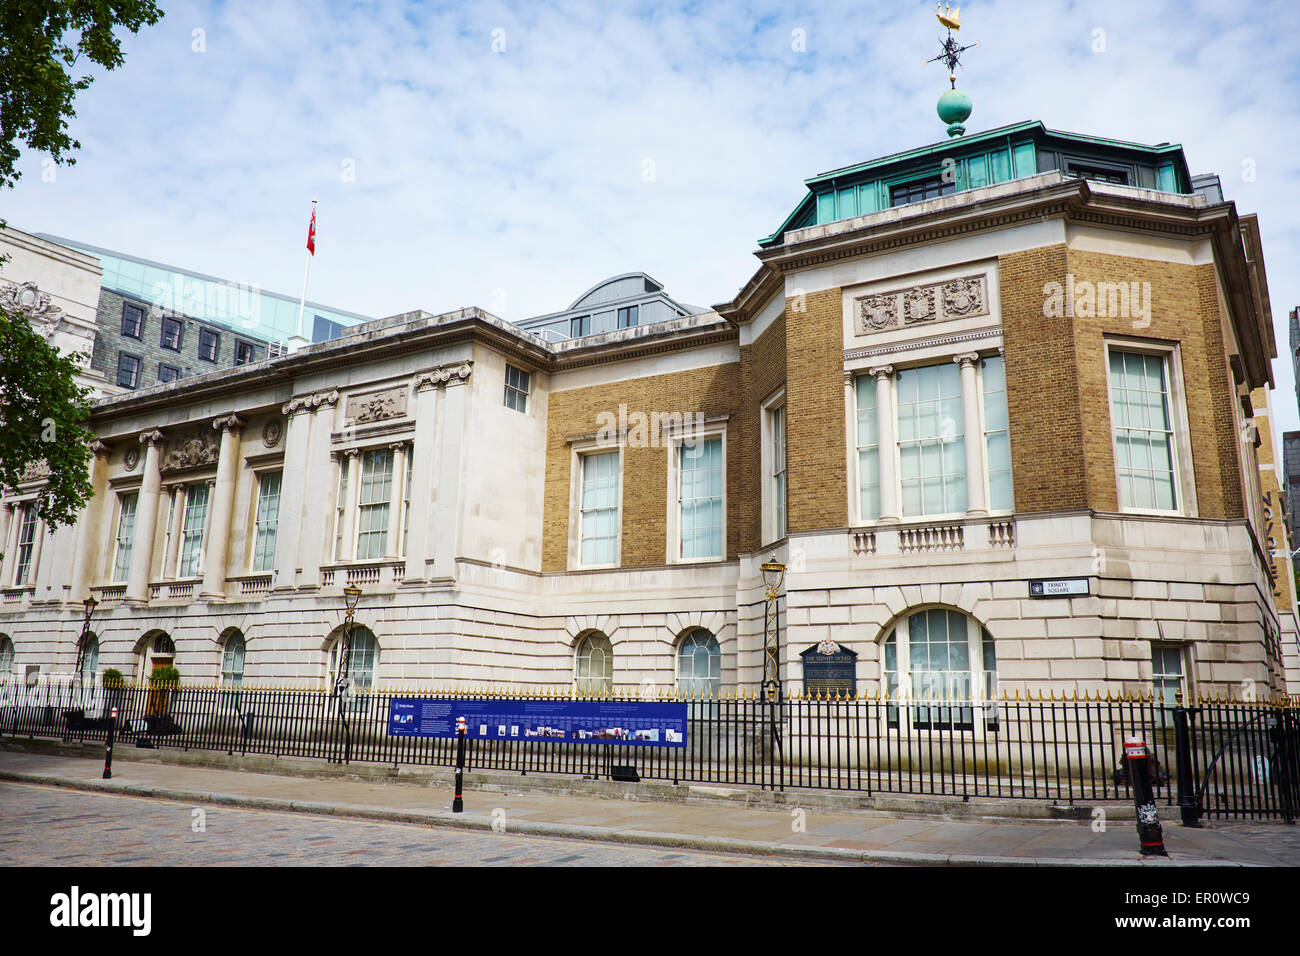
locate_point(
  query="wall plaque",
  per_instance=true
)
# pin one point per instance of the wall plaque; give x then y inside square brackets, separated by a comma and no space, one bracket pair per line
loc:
[832,673]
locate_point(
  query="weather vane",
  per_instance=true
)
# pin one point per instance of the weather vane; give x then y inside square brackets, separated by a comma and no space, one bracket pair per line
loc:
[955,105]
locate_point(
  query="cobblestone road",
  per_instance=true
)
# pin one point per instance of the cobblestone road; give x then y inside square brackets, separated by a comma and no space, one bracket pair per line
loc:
[49,826]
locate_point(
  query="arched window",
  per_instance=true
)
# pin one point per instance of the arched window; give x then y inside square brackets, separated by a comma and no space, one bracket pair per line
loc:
[6,656]
[699,664]
[89,653]
[361,664]
[940,655]
[593,665]
[232,660]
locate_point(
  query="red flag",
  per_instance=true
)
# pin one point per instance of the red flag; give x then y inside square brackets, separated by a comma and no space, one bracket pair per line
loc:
[311,233]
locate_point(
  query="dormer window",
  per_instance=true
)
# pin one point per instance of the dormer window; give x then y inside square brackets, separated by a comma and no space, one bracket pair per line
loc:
[919,190]
[1097,174]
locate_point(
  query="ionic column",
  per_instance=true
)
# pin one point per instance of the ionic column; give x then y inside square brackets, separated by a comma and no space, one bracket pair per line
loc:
[394,548]
[976,502]
[417,545]
[885,442]
[146,521]
[349,550]
[223,505]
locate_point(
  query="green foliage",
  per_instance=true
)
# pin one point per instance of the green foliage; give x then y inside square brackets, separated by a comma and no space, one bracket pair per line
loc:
[41,413]
[167,674]
[40,43]
[113,678]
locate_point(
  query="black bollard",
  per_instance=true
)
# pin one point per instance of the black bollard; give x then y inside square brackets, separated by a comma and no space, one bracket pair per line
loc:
[458,804]
[1188,805]
[1150,836]
[108,745]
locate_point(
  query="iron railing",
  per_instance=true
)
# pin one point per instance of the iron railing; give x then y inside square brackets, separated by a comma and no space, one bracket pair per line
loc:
[1244,757]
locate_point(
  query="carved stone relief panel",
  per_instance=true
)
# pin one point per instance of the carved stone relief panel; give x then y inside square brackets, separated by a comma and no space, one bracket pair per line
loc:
[376,406]
[959,298]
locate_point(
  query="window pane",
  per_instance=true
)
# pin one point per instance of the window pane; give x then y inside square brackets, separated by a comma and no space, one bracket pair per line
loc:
[373,503]
[1144,454]
[932,456]
[196,519]
[125,529]
[700,498]
[598,518]
[868,448]
[268,516]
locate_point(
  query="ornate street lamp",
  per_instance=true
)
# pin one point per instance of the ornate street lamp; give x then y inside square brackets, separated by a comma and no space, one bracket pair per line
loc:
[350,597]
[773,574]
[89,604]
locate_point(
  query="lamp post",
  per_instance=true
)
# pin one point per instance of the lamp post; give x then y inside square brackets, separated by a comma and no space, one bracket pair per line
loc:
[773,573]
[89,604]
[350,597]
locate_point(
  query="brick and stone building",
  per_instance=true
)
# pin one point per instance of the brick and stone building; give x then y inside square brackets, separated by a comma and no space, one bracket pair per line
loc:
[993,403]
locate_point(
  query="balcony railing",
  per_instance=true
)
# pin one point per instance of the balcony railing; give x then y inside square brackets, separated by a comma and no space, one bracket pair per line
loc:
[368,574]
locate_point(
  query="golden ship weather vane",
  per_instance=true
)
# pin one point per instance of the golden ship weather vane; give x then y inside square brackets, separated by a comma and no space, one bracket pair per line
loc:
[955,105]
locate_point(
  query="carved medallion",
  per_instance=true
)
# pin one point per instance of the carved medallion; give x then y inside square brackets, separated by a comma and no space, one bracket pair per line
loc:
[272,432]
[918,305]
[877,312]
[962,297]
[131,458]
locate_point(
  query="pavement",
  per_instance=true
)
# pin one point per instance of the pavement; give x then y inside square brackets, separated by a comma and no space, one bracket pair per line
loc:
[794,832]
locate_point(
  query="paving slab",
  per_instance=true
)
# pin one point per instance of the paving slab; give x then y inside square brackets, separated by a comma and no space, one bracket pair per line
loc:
[867,836]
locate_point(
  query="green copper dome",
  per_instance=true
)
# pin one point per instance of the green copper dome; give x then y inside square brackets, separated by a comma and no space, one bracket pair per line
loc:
[954,107]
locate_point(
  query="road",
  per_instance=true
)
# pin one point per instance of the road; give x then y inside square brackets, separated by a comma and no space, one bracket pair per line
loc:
[50,826]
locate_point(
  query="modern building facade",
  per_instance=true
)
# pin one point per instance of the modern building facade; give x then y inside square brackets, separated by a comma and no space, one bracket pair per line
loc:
[1002,436]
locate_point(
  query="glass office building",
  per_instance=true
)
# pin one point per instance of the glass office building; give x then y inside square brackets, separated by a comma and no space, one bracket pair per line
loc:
[245,307]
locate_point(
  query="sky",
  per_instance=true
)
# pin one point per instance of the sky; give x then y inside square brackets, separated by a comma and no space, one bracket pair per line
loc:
[512,154]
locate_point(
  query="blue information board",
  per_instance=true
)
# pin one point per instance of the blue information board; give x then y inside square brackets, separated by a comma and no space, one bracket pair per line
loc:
[627,723]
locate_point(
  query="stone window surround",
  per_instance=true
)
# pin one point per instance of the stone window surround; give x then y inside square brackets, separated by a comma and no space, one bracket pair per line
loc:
[767,448]
[258,466]
[714,426]
[578,449]
[1184,477]
[402,445]
[16,508]
[918,355]
[176,492]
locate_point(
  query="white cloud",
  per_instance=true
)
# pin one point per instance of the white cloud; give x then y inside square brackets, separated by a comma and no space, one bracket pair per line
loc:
[522,171]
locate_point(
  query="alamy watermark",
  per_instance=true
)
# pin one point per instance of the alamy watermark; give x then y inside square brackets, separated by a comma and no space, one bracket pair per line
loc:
[654,429]
[1086,299]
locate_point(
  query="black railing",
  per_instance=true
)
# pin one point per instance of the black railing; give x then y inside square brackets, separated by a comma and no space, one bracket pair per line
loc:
[1244,757]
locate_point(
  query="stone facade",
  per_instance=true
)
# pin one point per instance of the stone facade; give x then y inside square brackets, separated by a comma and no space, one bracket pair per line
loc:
[407,467]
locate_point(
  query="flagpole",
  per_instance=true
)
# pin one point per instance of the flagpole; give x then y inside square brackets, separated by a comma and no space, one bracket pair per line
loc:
[302,302]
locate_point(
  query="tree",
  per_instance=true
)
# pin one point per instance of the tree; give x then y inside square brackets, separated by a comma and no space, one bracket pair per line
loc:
[41,406]
[40,43]
[42,409]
